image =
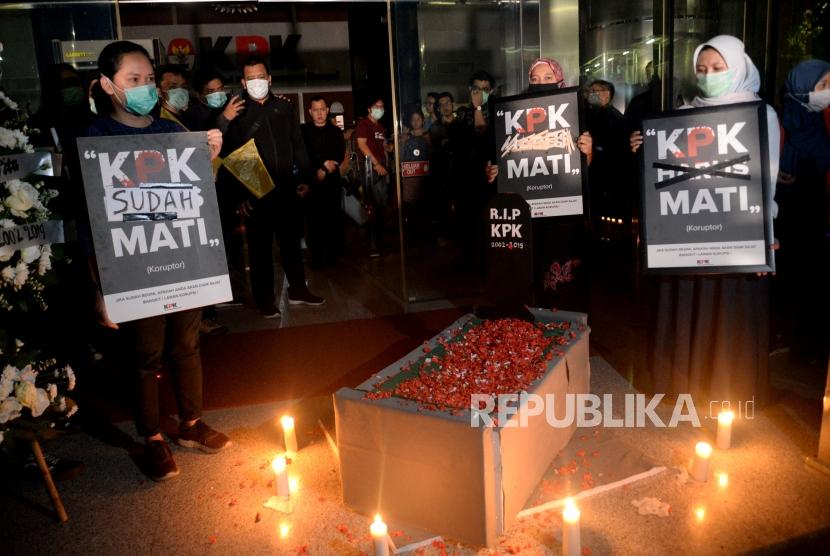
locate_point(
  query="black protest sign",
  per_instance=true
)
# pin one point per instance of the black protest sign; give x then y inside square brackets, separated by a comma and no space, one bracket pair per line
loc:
[706,199]
[509,250]
[155,223]
[536,139]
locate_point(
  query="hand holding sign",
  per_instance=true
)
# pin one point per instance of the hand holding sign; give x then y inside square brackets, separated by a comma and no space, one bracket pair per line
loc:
[636,141]
[214,139]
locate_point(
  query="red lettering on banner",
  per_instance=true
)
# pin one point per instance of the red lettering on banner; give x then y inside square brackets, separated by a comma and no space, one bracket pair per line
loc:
[535,116]
[699,137]
[148,163]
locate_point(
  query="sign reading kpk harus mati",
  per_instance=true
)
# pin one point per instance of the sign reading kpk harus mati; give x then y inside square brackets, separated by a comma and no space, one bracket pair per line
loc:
[536,148]
[705,195]
[155,223]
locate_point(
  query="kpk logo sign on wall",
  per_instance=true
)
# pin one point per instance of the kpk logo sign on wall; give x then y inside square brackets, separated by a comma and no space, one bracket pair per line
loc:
[155,223]
[317,49]
[706,200]
[536,145]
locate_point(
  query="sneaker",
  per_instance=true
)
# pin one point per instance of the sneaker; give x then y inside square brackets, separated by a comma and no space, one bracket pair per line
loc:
[270,312]
[159,460]
[61,469]
[305,298]
[210,327]
[202,437]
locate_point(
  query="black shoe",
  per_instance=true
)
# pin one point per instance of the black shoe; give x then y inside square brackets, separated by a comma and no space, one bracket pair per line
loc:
[305,298]
[202,437]
[270,312]
[158,460]
[61,469]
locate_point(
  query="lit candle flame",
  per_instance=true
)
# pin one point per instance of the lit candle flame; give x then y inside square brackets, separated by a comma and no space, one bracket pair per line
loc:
[723,479]
[700,513]
[726,417]
[285,528]
[378,527]
[293,484]
[571,513]
[703,450]
[287,422]
[278,465]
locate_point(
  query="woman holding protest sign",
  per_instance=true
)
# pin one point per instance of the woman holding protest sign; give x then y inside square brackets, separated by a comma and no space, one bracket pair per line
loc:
[128,80]
[560,242]
[804,194]
[710,333]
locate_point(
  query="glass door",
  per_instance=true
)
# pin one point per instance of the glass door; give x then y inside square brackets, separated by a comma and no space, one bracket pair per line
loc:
[446,53]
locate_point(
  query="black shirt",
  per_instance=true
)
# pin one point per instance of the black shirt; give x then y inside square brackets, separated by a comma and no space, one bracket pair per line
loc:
[323,143]
[275,128]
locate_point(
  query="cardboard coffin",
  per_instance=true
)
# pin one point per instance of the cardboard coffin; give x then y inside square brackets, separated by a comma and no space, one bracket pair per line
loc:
[434,470]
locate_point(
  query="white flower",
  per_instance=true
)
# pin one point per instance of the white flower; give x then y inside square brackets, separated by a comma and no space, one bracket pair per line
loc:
[72,411]
[9,410]
[7,223]
[27,374]
[6,387]
[6,253]
[7,140]
[18,343]
[21,274]
[8,102]
[44,265]
[41,402]
[70,375]
[52,390]
[26,394]
[30,254]
[23,196]
[7,274]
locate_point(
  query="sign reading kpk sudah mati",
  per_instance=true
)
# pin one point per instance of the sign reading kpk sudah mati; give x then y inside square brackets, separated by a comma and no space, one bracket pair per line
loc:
[706,203]
[536,148]
[155,223]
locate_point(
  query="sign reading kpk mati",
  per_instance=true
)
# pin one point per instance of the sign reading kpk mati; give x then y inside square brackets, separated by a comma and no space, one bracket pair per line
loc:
[536,146]
[706,203]
[155,223]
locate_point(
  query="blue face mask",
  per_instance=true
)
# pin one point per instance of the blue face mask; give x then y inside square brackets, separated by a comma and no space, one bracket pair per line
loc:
[140,100]
[714,84]
[178,98]
[217,99]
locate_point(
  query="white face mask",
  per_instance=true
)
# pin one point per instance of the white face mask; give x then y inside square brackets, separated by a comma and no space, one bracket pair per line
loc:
[257,88]
[818,100]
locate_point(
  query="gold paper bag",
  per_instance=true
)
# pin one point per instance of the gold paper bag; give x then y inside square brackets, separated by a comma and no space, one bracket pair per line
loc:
[246,166]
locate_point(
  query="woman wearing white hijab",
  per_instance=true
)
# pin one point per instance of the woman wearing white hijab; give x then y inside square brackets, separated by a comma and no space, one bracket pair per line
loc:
[710,334]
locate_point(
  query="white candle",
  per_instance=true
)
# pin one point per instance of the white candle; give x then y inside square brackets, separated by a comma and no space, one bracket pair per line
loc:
[281,477]
[724,430]
[289,434]
[700,465]
[380,537]
[571,544]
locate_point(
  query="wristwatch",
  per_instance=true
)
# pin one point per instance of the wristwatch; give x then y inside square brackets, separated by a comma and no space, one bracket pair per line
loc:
[479,108]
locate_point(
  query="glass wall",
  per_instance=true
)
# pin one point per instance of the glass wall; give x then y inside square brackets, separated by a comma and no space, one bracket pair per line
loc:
[34,35]
[439,46]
